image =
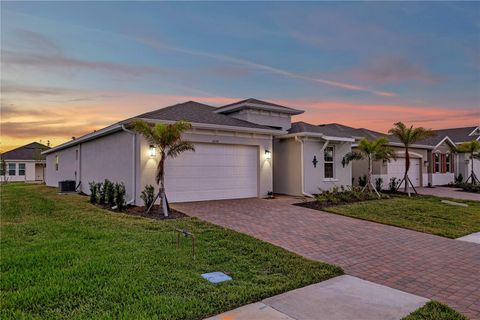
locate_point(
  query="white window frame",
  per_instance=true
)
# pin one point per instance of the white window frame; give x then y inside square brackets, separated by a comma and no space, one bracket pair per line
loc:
[437,159]
[56,162]
[325,162]
[448,163]
[14,168]
[19,168]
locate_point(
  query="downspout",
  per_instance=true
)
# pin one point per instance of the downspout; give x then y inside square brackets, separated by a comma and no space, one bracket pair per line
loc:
[134,164]
[302,168]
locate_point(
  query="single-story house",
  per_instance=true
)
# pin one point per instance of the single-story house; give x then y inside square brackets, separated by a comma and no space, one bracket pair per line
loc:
[25,163]
[432,161]
[234,147]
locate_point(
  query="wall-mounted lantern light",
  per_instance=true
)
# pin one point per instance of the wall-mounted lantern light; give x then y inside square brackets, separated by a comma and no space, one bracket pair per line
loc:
[425,163]
[268,154]
[152,151]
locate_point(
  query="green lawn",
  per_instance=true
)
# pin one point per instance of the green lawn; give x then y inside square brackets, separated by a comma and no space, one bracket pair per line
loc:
[422,213]
[435,311]
[64,258]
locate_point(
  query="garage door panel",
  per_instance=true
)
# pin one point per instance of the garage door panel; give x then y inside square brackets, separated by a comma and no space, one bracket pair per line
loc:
[213,172]
[396,168]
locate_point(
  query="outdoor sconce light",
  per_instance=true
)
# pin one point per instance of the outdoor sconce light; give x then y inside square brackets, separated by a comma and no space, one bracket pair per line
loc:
[268,154]
[152,151]
[425,163]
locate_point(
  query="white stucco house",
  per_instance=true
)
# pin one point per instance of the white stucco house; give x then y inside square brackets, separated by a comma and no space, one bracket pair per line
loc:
[432,160]
[244,149]
[24,164]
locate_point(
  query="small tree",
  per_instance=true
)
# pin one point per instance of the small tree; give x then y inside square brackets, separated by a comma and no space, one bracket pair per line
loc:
[473,148]
[109,192]
[377,150]
[167,138]
[148,194]
[3,169]
[409,136]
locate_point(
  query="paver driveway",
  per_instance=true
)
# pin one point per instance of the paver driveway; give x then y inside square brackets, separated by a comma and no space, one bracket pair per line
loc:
[426,265]
[447,192]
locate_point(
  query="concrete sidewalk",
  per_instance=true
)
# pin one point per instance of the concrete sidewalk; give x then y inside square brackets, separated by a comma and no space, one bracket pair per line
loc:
[447,192]
[341,298]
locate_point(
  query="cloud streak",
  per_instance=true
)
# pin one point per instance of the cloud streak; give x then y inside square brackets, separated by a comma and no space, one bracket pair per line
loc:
[282,72]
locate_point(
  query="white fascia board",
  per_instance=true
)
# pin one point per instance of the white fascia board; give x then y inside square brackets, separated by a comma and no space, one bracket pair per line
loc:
[90,136]
[260,106]
[471,133]
[197,125]
[418,146]
[316,135]
[443,140]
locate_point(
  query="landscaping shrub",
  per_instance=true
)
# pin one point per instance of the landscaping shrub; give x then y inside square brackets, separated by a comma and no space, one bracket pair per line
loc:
[101,193]
[459,178]
[379,184]
[343,195]
[393,184]
[469,187]
[93,192]
[120,195]
[148,194]
[109,192]
[362,181]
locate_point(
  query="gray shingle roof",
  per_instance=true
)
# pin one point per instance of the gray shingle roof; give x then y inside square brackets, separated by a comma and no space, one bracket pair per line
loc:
[29,151]
[198,113]
[334,129]
[457,135]
[254,105]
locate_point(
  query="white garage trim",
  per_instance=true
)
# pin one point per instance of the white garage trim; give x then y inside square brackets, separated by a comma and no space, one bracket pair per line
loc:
[396,168]
[213,172]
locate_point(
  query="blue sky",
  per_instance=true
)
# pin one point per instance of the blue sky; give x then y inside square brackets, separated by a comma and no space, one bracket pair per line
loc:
[68,68]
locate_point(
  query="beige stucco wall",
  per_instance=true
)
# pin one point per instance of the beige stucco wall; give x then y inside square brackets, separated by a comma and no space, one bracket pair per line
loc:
[288,167]
[314,176]
[287,177]
[266,118]
[108,157]
[147,165]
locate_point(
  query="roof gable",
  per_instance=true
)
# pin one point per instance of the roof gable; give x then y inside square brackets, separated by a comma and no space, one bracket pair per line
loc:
[252,103]
[31,151]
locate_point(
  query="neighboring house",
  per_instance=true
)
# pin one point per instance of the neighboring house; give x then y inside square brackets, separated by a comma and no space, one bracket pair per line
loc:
[233,157]
[25,163]
[432,161]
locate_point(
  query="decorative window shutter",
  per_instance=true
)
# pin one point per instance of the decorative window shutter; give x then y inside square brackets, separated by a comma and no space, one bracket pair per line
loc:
[433,163]
[443,163]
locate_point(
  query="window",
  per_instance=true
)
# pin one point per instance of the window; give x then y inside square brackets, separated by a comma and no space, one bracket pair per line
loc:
[21,169]
[436,162]
[328,162]
[12,168]
[56,163]
[448,163]
[76,154]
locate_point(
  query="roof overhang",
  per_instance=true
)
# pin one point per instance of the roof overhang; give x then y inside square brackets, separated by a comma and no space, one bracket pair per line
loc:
[316,135]
[473,132]
[119,127]
[446,139]
[208,126]
[249,105]
[91,136]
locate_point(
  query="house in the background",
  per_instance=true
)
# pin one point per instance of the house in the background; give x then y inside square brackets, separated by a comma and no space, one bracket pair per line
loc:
[244,149]
[25,163]
[432,160]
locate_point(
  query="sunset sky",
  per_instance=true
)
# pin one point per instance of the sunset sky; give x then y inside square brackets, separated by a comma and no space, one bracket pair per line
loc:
[69,68]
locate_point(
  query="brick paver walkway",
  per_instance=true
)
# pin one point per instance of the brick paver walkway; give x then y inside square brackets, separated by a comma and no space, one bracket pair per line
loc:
[430,266]
[447,192]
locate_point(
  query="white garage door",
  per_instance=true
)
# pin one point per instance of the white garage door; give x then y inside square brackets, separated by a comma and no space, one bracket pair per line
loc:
[212,172]
[396,168]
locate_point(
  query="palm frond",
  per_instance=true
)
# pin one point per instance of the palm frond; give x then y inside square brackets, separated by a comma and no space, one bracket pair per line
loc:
[180,147]
[353,155]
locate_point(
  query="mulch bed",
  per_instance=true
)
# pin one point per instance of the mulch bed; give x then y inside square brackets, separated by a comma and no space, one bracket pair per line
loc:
[155,213]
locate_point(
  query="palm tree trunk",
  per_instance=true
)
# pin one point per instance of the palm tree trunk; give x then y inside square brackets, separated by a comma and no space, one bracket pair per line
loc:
[407,166]
[161,182]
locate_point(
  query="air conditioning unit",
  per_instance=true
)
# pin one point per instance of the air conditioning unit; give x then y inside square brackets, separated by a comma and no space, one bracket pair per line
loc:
[66,186]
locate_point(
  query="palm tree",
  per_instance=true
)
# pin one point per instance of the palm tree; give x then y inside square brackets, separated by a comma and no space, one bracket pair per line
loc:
[168,139]
[472,147]
[409,136]
[376,150]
